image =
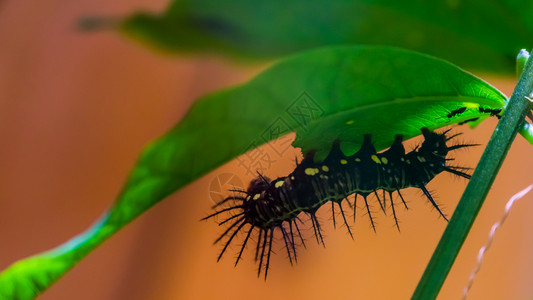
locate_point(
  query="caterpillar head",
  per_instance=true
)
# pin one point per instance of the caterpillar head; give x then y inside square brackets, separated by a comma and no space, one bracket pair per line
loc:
[257,185]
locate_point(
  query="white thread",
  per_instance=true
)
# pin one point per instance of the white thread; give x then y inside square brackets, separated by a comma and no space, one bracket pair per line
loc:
[483,249]
[529,97]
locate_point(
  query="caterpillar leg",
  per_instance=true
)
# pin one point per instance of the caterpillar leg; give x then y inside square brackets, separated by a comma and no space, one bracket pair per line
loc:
[244,244]
[231,237]
[354,206]
[428,195]
[369,213]
[292,241]
[263,247]
[229,229]
[394,211]
[401,197]
[317,230]
[287,241]
[269,252]
[299,232]
[381,204]
[455,171]
[333,214]
[258,246]
[344,218]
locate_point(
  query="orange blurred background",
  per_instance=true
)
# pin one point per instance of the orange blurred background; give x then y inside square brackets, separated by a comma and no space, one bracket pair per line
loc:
[76,109]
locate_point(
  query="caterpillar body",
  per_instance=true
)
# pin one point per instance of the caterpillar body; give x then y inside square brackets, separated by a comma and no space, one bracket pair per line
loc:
[275,205]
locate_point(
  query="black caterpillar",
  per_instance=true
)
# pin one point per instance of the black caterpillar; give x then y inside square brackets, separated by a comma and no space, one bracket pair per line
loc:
[268,205]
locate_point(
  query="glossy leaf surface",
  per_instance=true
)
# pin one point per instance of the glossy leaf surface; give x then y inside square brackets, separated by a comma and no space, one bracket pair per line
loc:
[322,95]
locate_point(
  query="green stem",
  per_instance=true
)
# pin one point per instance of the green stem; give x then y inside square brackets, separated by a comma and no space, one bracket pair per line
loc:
[527,129]
[477,189]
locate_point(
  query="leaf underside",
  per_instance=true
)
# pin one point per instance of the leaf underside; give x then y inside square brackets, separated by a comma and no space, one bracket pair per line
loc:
[470,33]
[322,95]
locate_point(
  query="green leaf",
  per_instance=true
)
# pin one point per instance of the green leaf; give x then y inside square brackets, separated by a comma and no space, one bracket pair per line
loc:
[322,95]
[482,34]
[477,189]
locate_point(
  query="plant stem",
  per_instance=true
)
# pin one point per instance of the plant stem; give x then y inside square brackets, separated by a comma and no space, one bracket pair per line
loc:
[477,189]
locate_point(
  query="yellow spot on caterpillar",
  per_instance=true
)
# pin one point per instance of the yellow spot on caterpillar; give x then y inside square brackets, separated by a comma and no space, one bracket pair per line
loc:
[384,160]
[292,177]
[311,171]
[421,159]
[256,196]
[279,184]
[402,159]
[350,122]
[357,160]
[344,161]
[325,168]
[408,162]
[375,159]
